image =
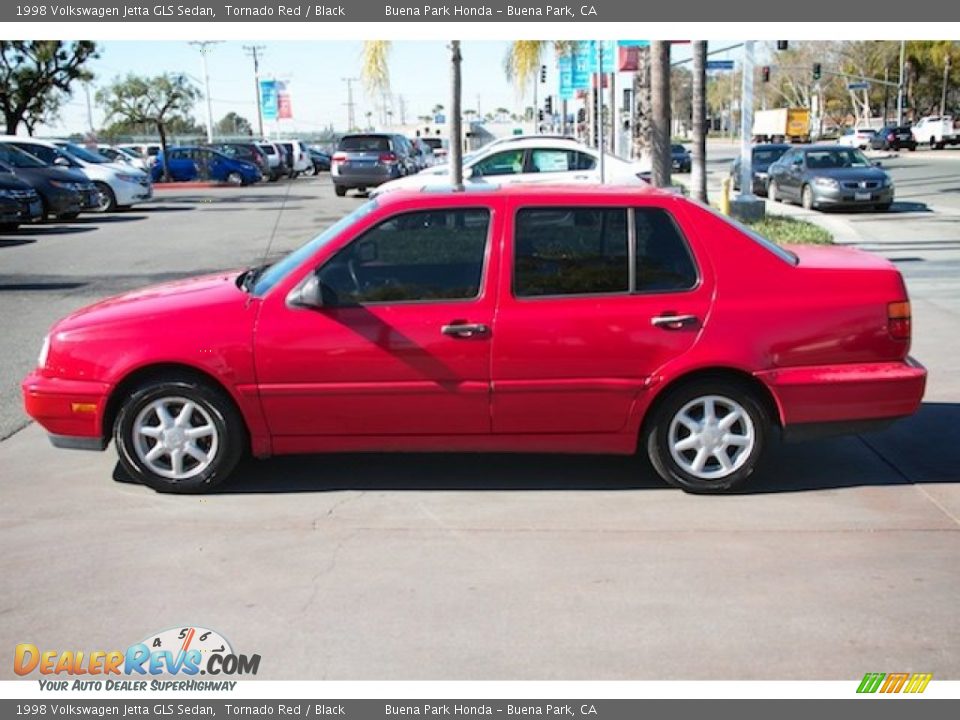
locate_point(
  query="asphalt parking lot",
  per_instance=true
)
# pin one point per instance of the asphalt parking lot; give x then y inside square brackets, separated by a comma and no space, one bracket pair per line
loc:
[840,558]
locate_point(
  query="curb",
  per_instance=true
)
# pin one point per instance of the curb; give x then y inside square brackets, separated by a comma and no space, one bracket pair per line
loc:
[191,185]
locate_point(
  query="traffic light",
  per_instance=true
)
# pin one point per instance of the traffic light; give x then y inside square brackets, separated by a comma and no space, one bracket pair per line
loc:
[543,73]
[782,44]
[548,105]
[540,115]
[765,73]
[817,68]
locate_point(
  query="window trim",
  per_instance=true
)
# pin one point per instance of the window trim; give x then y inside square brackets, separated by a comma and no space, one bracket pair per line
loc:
[487,250]
[632,290]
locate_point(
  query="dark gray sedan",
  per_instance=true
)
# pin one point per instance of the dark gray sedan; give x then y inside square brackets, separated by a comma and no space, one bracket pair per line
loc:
[823,176]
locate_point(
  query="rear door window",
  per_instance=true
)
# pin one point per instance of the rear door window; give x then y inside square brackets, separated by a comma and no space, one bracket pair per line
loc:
[663,260]
[570,251]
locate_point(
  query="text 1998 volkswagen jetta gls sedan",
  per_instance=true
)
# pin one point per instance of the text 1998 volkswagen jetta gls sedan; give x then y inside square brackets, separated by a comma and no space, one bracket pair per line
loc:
[537,319]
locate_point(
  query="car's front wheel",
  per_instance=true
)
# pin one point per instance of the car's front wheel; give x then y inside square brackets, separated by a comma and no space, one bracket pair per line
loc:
[235,178]
[106,200]
[708,436]
[179,435]
[806,198]
[773,192]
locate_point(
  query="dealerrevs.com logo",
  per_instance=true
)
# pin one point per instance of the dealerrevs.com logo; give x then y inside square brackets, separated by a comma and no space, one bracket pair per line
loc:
[186,652]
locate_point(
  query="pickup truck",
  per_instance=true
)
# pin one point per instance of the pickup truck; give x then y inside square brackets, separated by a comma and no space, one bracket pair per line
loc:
[936,130]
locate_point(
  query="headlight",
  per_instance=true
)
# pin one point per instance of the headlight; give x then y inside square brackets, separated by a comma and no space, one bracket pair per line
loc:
[6,193]
[887,182]
[44,351]
[64,185]
[826,182]
[760,174]
[129,178]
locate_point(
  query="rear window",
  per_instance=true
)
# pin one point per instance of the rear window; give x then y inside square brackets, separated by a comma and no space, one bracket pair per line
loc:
[268,149]
[360,143]
[435,143]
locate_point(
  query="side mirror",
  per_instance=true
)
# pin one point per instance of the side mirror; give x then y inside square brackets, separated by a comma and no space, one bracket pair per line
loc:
[877,163]
[476,172]
[61,161]
[307,294]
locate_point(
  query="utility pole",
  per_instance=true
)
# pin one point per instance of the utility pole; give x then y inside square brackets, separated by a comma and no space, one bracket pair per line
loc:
[900,82]
[254,51]
[204,47]
[86,89]
[351,116]
[599,78]
[946,77]
[746,122]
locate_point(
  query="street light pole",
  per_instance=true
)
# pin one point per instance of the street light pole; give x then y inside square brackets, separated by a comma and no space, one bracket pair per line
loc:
[900,84]
[746,121]
[204,46]
[946,77]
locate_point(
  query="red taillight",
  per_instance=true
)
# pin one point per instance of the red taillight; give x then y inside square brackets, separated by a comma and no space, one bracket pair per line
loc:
[898,320]
[388,157]
[891,137]
[339,157]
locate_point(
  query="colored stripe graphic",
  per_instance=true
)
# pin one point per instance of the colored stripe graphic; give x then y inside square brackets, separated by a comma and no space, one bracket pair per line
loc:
[895,682]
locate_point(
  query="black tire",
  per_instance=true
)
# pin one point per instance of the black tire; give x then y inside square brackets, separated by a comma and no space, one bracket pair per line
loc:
[68,216]
[108,201]
[340,190]
[773,191]
[231,435]
[9,227]
[659,429]
[883,207]
[806,198]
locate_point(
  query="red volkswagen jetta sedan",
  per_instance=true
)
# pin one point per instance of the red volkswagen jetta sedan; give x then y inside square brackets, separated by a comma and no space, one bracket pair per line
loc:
[528,319]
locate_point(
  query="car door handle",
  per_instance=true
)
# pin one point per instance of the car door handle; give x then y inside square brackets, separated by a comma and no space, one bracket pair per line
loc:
[464,330]
[673,322]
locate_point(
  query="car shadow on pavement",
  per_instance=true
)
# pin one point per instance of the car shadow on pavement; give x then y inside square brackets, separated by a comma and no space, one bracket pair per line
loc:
[272,198]
[14,242]
[922,449]
[164,208]
[40,231]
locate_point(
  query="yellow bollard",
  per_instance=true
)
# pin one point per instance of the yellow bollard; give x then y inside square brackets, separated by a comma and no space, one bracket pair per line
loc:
[725,187]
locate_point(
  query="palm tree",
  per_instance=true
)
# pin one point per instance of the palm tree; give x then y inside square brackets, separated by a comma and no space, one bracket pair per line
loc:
[698,173]
[660,101]
[375,72]
[525,57]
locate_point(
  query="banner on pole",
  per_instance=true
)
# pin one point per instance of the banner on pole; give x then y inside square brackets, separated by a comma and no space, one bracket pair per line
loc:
[268,99]
[284,108]
[565,67]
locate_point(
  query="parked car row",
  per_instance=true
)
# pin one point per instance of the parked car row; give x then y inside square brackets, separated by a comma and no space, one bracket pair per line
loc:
[43,180]
[936,131]
[240,163]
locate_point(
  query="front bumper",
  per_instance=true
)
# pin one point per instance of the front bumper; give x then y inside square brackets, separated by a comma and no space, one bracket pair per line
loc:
[132,193]
[70,410]
[824,197]
[846,393]
[23,208]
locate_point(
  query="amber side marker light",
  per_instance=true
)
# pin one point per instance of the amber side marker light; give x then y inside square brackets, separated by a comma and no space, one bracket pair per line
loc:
[84,408]
[898,320]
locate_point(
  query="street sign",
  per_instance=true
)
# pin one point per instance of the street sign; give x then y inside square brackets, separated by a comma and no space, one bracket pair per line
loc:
[858,86]
[565,64]
[269,102]
[633,43]
[719,64]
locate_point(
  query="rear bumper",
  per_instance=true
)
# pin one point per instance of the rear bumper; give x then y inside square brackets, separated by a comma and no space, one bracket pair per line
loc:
[846,393]
[70,410]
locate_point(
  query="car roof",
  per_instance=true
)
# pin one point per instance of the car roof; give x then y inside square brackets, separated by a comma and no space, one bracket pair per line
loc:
[31,140]
[537,190]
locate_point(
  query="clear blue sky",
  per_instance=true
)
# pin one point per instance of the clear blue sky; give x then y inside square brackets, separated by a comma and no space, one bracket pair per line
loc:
[419,73]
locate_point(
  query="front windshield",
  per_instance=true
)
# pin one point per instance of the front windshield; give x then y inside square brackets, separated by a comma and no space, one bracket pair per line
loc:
[280,269]
[836,158]
[81,153]
[17,158]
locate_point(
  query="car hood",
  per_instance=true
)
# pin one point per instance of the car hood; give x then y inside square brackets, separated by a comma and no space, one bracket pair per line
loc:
[870,173]
[190,295]
[41,175]
[10,181]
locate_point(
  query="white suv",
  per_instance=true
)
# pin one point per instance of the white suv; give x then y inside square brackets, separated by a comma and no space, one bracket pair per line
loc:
[118,185]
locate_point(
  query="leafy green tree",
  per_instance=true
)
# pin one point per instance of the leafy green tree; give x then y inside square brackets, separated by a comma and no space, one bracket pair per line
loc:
[159,100]
[36,75]
[233,124]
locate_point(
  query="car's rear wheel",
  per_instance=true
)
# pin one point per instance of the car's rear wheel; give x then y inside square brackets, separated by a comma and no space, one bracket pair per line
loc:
[235,178]
[773,192]
[806,198]
[708,436]
[106,200]
[179,435]
[340,190]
